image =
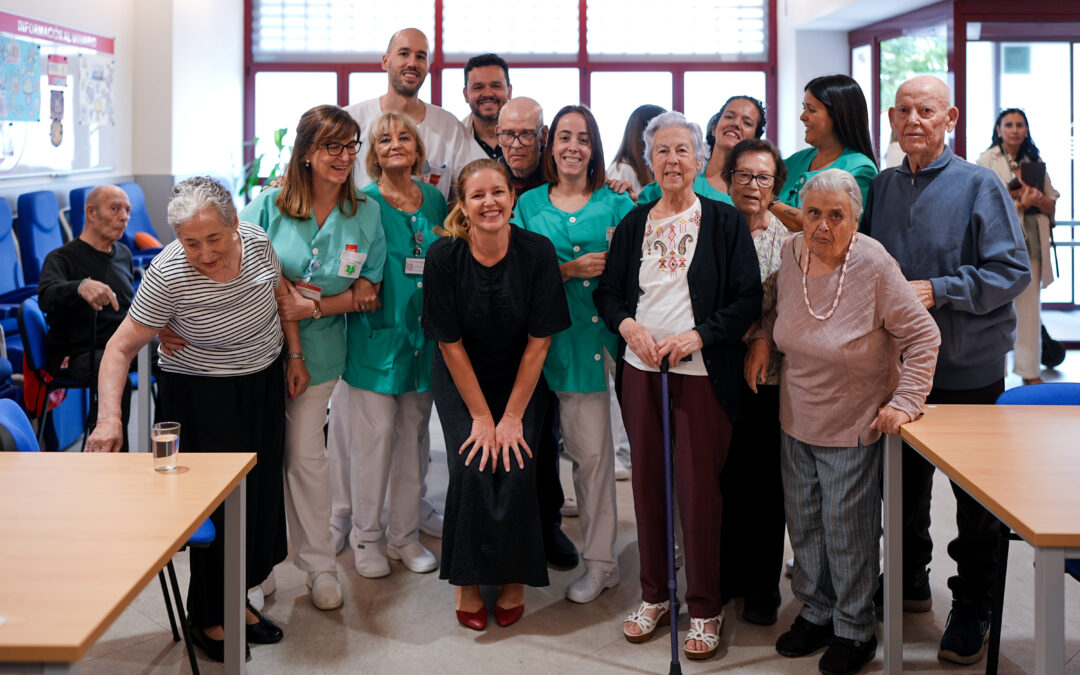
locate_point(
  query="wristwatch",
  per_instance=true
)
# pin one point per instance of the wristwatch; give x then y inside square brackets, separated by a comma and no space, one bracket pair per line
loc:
[317,312]
[294,355]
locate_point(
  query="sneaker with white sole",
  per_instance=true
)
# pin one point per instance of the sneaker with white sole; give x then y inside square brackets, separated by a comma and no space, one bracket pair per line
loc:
[413,555]
[370,561]
[621,472]
[325,590]
[569,508]
[590,585]
[431,524]
[257,595]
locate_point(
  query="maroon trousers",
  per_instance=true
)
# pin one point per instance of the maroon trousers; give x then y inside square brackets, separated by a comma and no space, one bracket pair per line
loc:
[702,434]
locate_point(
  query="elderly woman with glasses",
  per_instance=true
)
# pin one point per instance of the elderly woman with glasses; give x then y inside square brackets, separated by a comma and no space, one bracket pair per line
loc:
[681,284]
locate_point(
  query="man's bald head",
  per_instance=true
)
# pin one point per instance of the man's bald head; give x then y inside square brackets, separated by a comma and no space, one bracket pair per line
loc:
[522,115]
[408,34]
[522,109]
[922,119]
[107,213]
[406,61]
[929,86]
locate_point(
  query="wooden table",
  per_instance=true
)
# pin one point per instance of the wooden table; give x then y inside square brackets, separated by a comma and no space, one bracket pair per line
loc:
[1023,464]
[82,534]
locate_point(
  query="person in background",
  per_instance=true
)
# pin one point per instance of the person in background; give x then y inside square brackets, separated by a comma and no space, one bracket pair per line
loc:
[522,133]
[629,163]
[330,243]
[487,89]
[838,131]
[578,214]
[493,298]
[741,117]
[379,414]
[1011,147]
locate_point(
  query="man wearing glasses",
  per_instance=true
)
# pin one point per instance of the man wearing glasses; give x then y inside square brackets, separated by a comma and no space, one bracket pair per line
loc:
[487,89]
[448,147]
[521,133]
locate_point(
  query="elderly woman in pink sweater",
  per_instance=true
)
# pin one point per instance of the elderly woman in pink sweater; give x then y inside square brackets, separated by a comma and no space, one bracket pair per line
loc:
[859,354]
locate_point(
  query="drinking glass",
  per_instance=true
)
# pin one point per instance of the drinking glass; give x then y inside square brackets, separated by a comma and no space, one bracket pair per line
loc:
[165,438]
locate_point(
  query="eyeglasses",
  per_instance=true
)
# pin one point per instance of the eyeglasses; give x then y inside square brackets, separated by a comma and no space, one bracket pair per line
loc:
[764,180]
[335,149]
[525,137]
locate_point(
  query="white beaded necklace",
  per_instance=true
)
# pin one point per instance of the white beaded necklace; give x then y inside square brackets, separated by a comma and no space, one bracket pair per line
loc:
[839,286]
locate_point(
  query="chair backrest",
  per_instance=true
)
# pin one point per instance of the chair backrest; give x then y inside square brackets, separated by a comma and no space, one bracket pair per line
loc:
[1050,393]
[77,215]
[140,219]
[32,327]
[11,274]
[14,422]
[39,230]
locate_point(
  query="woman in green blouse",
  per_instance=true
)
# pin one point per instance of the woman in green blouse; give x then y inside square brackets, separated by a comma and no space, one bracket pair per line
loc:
[579,214]
[330,241]
[838,131]
[379,415]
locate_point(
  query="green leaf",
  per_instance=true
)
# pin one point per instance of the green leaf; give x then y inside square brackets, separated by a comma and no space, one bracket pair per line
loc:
[279,138]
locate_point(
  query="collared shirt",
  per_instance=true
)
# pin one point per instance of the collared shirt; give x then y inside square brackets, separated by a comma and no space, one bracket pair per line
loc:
[860,167]
[469,122]
[575,360]
[302,245]
[523,185]
[702,188]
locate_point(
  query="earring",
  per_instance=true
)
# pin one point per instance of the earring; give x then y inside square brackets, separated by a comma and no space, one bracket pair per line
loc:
[307,164]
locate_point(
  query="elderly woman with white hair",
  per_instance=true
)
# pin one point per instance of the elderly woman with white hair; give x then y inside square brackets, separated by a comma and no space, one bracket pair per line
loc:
[681,283]
[215,286]
[859,355]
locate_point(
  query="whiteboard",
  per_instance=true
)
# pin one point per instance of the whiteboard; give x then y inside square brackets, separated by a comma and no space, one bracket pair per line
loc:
[57,99]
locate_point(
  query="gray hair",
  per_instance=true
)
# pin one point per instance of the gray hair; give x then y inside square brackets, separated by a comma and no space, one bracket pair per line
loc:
[675,118]
[835,180]
[192,195]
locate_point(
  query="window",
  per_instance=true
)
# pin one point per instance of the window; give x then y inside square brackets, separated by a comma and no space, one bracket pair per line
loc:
[733,30]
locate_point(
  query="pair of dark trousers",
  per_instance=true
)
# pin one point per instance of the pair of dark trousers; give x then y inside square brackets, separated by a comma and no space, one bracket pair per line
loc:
[701,434]
[548,488]
[975,548]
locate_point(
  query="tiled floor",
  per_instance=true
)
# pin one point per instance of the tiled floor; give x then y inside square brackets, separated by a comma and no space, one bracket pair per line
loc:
[405,623]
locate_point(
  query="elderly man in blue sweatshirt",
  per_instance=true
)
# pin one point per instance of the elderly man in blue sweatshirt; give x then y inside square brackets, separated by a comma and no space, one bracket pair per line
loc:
[953,229]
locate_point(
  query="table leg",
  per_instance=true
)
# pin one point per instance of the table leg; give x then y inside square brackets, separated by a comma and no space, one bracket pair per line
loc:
[235,590]
[145,382]
[1049,610]
[894,642]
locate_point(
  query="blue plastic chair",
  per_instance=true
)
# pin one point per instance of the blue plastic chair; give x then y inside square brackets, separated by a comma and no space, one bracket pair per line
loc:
[77,214]
[202,538]
[39,230]
[1050,393]
[140,222]
[13,288]
[15,423]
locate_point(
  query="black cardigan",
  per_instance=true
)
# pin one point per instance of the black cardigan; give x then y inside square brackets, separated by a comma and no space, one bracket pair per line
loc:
[725,291]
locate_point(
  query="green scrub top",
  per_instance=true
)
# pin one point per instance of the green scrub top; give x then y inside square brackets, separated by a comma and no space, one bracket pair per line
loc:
[297,243]
[798,166]
[388,352]
[651,192]
[575,360]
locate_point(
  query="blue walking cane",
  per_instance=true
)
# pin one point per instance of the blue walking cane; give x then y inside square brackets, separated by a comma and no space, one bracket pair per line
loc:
[669,489]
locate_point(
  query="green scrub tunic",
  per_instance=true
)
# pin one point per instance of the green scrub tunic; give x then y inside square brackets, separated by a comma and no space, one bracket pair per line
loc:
[651,192]
[798,167]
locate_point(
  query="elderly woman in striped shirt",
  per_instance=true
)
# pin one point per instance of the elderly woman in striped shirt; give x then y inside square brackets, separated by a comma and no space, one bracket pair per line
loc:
[844,317]
[215,286]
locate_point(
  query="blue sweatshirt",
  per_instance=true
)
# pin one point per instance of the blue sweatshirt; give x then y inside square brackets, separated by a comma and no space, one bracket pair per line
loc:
[953,223]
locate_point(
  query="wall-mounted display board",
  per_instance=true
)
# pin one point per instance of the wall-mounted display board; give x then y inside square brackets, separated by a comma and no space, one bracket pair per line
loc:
[57,106]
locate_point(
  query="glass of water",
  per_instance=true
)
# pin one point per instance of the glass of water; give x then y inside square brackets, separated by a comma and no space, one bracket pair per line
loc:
[165,438]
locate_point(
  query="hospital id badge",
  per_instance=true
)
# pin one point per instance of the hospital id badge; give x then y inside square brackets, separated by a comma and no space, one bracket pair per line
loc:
[610,234]
[309,291]
[414,265]
[351,262]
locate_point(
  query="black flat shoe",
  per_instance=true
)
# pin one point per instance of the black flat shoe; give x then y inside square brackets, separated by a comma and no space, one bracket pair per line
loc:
[264,631]
[214,649]
[760,608]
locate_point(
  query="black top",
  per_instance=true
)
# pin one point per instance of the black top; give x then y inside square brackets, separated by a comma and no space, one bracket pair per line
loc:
[492,152]
[66,312]
[725,291]
[523,185]
[493,310]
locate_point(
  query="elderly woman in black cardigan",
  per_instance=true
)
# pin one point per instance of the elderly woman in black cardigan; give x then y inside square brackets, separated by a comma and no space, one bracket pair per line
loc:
[681,282]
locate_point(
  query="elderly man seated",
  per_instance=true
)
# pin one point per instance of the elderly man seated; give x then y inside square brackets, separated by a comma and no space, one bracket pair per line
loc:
[85,291]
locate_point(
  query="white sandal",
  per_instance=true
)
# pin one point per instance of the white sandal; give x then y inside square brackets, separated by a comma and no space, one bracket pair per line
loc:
[646,624]
[697,632]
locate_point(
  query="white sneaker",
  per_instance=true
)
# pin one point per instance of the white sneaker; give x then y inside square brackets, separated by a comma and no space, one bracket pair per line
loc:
[370,561]
[340,538]
[413,555]
[590,585]
[569,508]
[431,525]
[325,590]
[621,472]
[256,595]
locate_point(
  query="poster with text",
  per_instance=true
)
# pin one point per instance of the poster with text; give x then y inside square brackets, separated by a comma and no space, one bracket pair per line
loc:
[20,80]
[96,75]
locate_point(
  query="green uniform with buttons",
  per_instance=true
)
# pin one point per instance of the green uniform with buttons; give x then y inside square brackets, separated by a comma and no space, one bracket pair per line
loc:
[798,166]
[651,192]
[388,352]
[313,253]
[575,360]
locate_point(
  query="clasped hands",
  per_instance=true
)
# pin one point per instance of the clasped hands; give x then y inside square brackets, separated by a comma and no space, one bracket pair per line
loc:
[652,352]
[492,440]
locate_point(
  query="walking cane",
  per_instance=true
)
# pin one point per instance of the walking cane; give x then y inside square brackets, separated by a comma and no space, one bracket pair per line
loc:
[669,489]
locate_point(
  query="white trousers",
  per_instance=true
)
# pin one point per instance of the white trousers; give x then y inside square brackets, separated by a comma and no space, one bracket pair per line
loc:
[378,440]
[618,431]
[585,421]
[1027,352]
[307,479]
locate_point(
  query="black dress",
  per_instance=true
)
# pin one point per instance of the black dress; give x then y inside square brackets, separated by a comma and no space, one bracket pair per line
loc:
[491,530]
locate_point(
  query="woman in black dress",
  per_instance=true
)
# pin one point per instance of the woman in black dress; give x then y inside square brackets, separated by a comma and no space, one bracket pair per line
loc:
[493,297]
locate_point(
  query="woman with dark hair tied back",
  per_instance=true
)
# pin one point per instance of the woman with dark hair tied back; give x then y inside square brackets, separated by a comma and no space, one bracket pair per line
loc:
[629,163]
[740,117]
[838,131]
[493,297]
[579,214]
[330,241]
[1010,149]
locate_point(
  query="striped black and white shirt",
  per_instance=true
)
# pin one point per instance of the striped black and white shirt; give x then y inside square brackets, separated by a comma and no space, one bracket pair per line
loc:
[232,327]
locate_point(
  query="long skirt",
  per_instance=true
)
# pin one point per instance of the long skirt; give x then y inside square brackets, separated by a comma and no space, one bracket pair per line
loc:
[237,413]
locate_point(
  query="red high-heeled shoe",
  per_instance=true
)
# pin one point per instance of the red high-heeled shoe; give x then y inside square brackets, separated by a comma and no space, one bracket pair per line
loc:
[505,617]
[476,620]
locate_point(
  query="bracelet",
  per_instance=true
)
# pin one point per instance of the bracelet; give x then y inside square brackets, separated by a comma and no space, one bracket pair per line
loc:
[78,289]
[294,355]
